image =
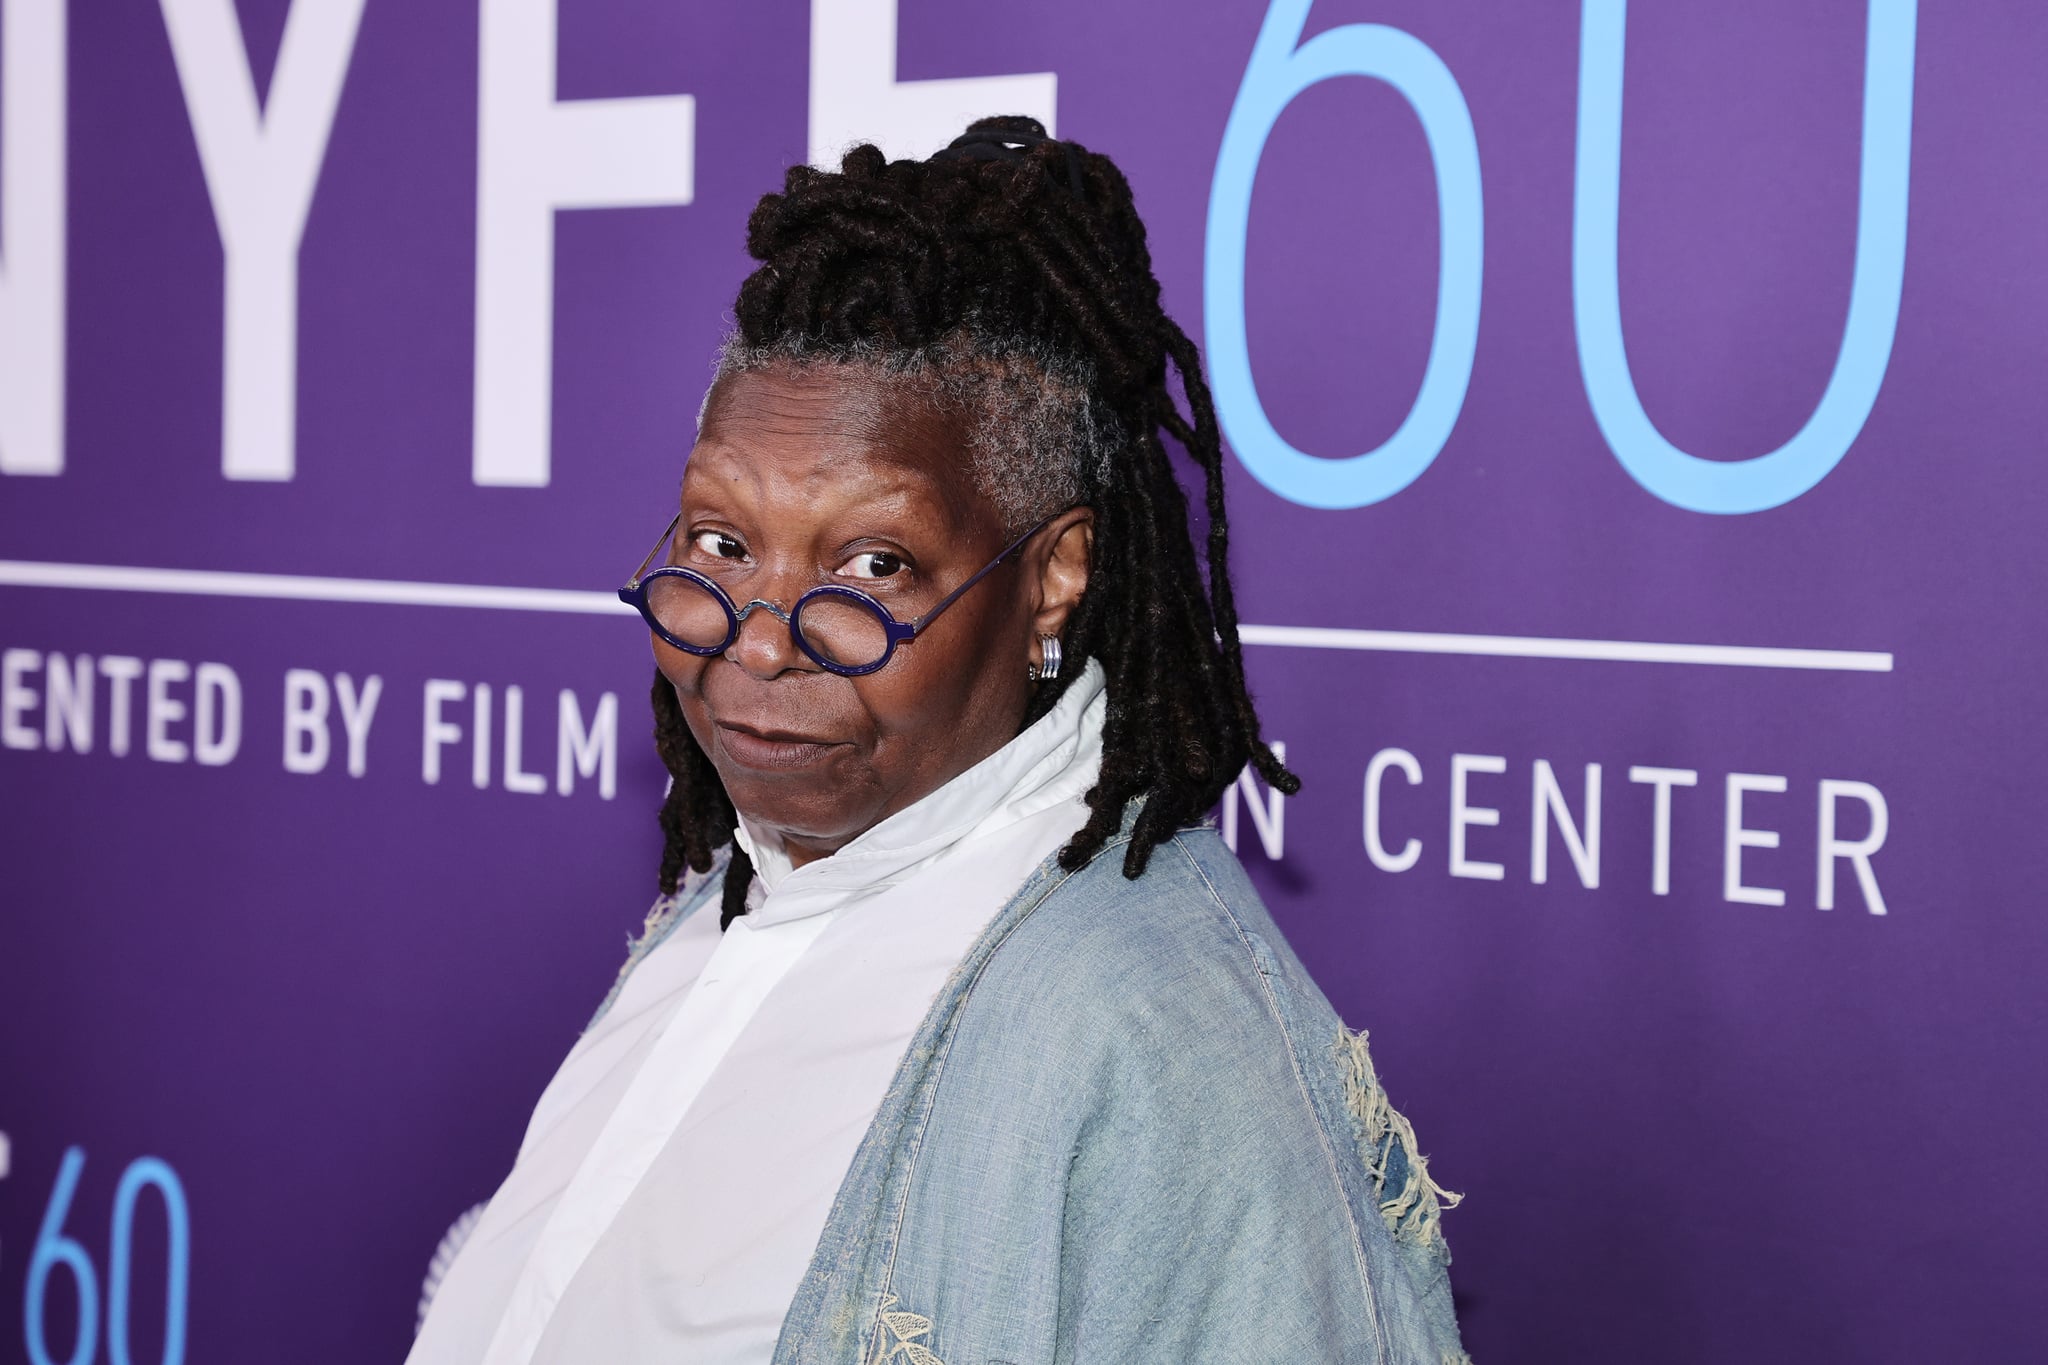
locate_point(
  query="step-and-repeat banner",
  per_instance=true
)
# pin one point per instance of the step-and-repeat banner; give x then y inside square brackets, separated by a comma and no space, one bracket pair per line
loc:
[1636,421]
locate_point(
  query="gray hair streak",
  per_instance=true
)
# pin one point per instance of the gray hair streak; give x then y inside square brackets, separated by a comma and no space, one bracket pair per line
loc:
[1038,440]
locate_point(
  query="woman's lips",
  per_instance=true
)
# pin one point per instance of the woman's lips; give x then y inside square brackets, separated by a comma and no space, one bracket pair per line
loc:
[773,750]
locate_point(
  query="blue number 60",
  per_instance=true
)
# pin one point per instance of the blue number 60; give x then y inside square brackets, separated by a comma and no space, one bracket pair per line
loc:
[54,1249]
[1277,72]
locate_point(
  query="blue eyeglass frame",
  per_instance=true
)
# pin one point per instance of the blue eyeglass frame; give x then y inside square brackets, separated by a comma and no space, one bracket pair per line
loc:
[634,594]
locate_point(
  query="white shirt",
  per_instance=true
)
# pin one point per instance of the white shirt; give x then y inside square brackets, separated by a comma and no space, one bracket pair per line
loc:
[678,1170]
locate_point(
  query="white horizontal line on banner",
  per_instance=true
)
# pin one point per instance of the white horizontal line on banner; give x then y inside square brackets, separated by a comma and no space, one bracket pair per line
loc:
[1545,647]
[302,588]
[392,592]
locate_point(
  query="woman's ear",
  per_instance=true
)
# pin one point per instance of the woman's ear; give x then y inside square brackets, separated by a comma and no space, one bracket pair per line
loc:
[1063,570]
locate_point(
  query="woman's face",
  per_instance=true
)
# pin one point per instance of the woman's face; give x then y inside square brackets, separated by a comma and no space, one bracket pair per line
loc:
[806,477]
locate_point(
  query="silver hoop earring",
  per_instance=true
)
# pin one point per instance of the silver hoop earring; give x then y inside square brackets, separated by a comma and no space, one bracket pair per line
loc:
[1049,646]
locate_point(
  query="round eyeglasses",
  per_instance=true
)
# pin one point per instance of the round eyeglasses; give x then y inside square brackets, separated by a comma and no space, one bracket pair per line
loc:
[843,630]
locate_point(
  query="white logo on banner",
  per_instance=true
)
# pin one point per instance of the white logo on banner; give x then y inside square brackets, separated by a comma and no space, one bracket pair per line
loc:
[32,107]
[262,161]
[537,154]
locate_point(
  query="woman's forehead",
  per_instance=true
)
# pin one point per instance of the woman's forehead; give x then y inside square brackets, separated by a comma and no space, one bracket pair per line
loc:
[832,432]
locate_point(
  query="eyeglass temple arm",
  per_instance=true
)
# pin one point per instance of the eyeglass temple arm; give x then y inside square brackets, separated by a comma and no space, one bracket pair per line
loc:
[921,622]
[641,572]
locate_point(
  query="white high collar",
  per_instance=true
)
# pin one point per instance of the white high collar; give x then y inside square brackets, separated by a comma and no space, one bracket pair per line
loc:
[1056,759]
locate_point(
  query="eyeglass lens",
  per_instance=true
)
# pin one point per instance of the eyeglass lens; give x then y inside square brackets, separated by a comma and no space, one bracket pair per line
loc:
[843,630]
[687,611]
[840,630]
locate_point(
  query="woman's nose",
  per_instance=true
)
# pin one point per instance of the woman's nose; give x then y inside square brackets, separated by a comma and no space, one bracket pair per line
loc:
[764,645]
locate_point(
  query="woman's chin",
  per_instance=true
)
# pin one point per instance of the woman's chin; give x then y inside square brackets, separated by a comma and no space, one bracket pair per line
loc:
[813,814]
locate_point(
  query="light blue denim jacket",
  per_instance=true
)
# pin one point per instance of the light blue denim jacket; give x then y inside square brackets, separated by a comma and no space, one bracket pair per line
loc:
[1130,1129]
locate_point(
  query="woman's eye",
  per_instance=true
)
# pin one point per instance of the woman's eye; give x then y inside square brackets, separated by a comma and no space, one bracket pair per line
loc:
[718,545]
[874,564]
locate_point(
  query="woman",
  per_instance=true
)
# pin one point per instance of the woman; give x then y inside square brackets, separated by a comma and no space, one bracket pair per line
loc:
[958,1036]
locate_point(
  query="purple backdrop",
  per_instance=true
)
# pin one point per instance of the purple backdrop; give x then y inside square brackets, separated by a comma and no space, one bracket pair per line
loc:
[1691,1127]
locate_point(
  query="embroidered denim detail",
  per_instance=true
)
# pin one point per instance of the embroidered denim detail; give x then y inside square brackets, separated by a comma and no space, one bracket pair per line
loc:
[662,919]
[896,1334]
[1413,1211]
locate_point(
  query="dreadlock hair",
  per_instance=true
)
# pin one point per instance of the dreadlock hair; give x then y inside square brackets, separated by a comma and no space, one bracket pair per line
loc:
[1007,281]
